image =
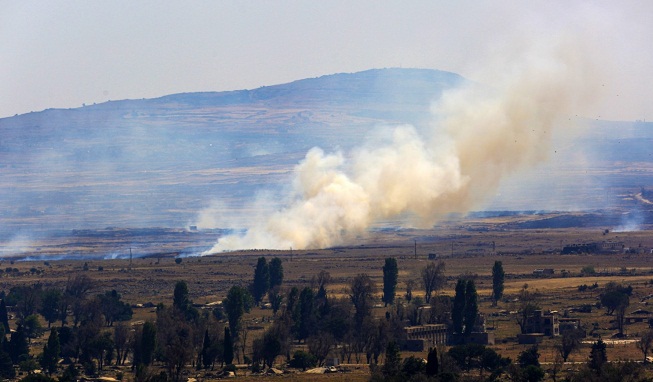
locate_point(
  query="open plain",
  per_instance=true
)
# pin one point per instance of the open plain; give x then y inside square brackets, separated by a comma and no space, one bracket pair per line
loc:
[467,246]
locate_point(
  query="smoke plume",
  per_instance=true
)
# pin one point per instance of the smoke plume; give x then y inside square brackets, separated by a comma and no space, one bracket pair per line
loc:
[479,135]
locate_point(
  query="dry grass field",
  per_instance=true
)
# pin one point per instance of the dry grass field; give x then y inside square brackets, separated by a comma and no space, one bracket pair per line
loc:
[467,248]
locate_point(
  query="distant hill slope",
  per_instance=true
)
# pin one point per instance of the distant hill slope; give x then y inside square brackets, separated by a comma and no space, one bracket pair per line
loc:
[156,162]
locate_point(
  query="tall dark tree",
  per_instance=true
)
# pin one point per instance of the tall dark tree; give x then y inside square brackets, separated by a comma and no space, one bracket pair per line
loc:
[181,301]
[206,360]
[6,365]
[148,343]
[458,309]
[471,307]
[18,346]
[598,356]
[390,276]
[432,363]
[392,365]
[238,302]
[433,279]
[276,273]
[307,321]
[3,315]
[261,282]
[228,347]
[498,277]
[51,351]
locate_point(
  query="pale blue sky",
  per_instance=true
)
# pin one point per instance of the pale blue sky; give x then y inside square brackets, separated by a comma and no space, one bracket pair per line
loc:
[64,53]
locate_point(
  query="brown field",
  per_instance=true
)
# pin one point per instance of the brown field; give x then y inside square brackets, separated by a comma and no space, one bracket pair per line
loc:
[464,248]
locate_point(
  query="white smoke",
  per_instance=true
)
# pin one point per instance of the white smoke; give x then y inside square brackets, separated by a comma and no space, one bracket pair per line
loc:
[479,135]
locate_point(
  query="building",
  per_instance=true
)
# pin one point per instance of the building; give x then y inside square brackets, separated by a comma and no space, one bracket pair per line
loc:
[541,322]
[422,337]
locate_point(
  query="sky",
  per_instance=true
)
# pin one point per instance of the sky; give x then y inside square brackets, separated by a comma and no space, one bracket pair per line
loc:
[62,54]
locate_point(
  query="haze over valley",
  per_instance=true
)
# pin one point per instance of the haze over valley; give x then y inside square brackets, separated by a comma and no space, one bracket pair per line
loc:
[223,159]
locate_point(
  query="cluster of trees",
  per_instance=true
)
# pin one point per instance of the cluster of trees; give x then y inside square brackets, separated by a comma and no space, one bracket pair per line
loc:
[93,333]
[85,341]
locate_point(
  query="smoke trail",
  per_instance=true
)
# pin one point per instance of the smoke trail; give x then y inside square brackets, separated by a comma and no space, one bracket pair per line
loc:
[478,137]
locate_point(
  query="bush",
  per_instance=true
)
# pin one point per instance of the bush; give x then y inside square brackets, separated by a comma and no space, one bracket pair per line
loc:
[178,260]
[588,270]
[230,367]
[302,360]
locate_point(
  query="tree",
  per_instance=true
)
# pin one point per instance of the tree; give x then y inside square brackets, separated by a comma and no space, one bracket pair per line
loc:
[432,364]
[50,303]
[361,293]
[276,299]
[261,282]
[276,273]
[390,275]
[392,365]
[306,320]
[174,338]
[113,309]
[32,327]
[18,346]
[569,342]
[121,337]
[644,344]
[458,309]
[527,306]
[471,307]
[433,279]
[621,313]
[598,356]
[51,351]
[410,285]
[238,302]
[302,360]
[148,342]
[3,315]
[180,300]
[99,347]
[228,347]
[498,276]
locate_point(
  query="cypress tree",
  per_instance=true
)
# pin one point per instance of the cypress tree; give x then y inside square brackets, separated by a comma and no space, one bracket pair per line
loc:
[261,282]
[3,315]
[392,365]
[390,275]
[458,309]
[206,348]
[18,345]
[51,351]
[432,364]
[276,272]
[498,277]
[148,342]
[471,307]
[228,347]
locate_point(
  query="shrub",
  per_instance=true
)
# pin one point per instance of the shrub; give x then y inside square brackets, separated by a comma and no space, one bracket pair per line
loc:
[302,360]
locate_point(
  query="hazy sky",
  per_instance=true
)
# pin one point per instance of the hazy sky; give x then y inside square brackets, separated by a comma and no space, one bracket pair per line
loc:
[64,53]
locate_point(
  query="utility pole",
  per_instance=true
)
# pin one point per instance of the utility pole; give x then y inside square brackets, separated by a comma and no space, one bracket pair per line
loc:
[130,258]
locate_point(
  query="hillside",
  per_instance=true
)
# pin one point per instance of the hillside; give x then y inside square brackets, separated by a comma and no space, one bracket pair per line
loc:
[157,162]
